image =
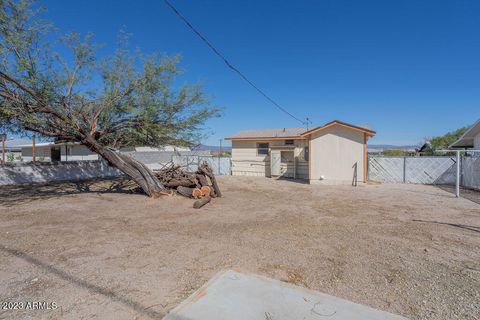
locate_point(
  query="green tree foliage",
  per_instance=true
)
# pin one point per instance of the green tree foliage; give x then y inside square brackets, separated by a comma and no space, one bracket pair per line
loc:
[394,153]
[125,99]
[444,141]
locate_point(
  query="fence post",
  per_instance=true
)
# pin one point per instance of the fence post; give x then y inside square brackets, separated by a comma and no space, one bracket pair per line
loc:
[368,167]
[34,156]
[404,169]
[3,149]
[461,171]
[457,184]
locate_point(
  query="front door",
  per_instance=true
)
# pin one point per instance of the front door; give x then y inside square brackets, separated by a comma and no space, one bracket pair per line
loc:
[275,160]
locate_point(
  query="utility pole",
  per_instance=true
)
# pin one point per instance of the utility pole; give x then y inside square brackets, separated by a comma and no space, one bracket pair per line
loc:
[307,121]
[220,146]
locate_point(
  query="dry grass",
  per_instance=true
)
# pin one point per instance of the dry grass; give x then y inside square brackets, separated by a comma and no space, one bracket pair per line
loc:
[100,250]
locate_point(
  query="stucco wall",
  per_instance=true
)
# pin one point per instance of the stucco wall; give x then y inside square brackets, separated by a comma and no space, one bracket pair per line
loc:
[42,153]
[334,153]
[476,142]
[246,162]
[77,153]
[26,173]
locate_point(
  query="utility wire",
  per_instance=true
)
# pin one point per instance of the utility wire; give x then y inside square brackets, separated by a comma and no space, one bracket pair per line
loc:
[229,65]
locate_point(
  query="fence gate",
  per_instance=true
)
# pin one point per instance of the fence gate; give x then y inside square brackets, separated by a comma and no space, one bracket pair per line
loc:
[421,170]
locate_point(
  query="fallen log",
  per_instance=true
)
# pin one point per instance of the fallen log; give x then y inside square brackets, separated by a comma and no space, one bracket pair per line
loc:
[212,193]
[202,179]
[200,185]
[206,190]
[189,192]
[180,182]
[205,168]
[200,203]
[197,193]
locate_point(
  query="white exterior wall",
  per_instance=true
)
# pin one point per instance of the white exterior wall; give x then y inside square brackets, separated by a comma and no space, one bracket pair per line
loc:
[476,142]
[77,153]
[23,173]
[334,152]
[246,162]
[42,154]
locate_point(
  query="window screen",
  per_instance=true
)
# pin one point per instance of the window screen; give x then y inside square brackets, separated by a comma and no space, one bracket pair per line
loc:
[262,148]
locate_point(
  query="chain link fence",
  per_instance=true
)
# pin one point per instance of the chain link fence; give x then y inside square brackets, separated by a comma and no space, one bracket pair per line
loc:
[221,166]
[425,170]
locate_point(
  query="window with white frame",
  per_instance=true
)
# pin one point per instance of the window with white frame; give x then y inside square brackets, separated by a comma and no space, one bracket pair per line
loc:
[289,142]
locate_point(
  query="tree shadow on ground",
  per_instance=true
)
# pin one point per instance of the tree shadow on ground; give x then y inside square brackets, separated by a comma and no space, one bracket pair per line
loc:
[472,195]
[457,225]
[21,194]
[93,288]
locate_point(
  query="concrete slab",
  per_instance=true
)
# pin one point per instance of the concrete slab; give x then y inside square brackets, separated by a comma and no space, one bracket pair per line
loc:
[236,296]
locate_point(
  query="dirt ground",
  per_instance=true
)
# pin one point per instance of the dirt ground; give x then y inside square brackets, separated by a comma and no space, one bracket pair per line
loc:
[99,251]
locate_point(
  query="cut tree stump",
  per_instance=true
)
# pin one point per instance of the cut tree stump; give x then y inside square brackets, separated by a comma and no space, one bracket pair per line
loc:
[197,193]
[189,192]
[205,168]
[206,190]
[200,203]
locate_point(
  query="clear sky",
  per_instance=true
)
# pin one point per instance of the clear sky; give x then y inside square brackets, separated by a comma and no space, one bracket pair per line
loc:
[409,69]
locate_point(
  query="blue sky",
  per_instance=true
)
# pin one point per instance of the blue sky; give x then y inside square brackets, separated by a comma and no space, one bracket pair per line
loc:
[408,69]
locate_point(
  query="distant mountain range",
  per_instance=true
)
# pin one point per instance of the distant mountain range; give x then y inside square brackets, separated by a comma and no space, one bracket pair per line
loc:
[391,146]
[203,147]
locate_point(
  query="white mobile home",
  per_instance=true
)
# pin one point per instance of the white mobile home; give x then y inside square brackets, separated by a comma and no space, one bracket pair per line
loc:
[334,152]
[50,151]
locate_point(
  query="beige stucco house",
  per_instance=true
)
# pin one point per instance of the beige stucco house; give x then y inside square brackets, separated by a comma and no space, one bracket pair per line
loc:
[333,153]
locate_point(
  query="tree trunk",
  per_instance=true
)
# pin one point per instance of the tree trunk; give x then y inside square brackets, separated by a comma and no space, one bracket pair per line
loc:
[189,192]
[136,170]
[200,203]
[206,190]
[205,168]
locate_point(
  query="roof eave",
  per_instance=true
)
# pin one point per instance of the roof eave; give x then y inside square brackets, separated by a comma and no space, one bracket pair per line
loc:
[266,138]
[370,133]
[465,136]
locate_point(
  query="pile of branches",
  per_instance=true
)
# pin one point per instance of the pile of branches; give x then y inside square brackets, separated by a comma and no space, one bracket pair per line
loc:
[200,185]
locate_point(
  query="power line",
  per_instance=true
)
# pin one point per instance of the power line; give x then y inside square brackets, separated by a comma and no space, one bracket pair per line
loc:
[225,60]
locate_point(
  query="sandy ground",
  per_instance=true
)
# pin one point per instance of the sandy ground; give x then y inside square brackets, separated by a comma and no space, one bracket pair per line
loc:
[99,251]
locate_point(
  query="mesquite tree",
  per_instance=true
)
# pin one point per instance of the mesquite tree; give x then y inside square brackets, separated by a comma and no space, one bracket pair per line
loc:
[126,99]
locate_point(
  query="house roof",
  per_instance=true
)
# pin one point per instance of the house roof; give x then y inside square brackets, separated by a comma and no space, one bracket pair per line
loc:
[15,143]
[292,133]
[466,141]
[268,133]
[343,124]
[44,144]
